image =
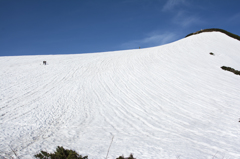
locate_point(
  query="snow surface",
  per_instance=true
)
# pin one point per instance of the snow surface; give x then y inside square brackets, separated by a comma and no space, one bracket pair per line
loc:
[166,102]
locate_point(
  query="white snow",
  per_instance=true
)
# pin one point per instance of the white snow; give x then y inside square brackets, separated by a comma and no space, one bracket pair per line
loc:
[166,102]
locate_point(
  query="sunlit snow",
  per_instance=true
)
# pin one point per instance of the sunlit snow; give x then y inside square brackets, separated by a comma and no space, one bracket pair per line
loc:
[167,102]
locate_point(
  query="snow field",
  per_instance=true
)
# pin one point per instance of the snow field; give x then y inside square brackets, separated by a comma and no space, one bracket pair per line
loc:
[171,101]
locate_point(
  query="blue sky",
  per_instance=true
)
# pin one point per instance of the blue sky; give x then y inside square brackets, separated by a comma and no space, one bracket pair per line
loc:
[39,27]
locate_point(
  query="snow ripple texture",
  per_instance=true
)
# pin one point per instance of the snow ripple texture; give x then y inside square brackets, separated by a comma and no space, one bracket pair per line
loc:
[166,102]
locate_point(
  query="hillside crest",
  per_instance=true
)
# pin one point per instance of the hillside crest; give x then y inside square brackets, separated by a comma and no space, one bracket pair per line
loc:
[215,30]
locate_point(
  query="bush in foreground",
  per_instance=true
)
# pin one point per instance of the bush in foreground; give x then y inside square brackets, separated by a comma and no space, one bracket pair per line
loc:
[60,153]
[130,157]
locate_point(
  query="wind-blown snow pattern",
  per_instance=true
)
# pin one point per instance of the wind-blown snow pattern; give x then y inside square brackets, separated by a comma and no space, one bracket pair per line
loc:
[167,102]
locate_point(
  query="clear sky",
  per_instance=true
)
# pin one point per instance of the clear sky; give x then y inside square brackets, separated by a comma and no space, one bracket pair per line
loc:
[39,27]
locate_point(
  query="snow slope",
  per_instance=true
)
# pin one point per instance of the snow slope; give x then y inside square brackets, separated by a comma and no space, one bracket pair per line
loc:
[166,102]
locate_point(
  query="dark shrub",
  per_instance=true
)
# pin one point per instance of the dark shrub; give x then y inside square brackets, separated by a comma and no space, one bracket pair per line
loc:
[122,157]
[236,72]
[60,153]
[211,53]
[130,157]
